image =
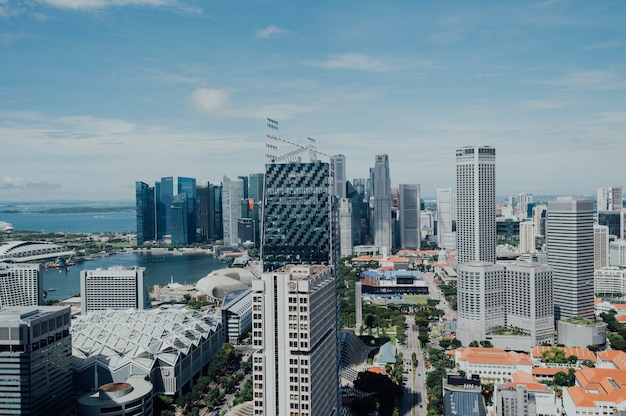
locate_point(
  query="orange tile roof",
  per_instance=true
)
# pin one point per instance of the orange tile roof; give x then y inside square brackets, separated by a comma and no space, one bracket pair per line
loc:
[621,318]
[598,384]
[581,353]
[523,378]
[493,356]
[618,358]
[376,370]
[546,371]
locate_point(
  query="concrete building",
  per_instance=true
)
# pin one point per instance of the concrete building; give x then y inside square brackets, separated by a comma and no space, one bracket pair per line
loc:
[446,237]
[409,206]
[35,360]
[131,397]
[527,237]
[617,253]
[294,332]
[600,246]
[113,288]
[597,392]
[525,396]
[20,285]
[346,240]
[609,198]
[338,164]
[476,204]
[237,314]
[382,202]
[539,218]
[492,364]
[569,239]
[26,251]
[232,194]
[463,396]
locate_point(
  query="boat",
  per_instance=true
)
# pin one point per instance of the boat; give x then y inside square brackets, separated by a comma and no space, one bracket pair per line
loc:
[5,227]
[51,289]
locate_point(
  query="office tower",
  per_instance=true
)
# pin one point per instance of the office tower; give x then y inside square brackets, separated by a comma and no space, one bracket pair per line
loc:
[115,288]
[445,214]
[529,302]
[35,360]
[218,220]
[204,212]
[164,198]
[180,215]
[294,333]
[382,202]
[409,204]
[300,217]
[600,246]
[524,201]
[569,238]
[360,184]
[188,187]
[614,220]
[346,242]
[256,184]
[480,300]
[20,285]
[338,165]
[617,253]
[245,186]
[145,210]
[359,212]
[539,218]
[527,237]
[232,195]
[476,203]
[246,231]
[609,198]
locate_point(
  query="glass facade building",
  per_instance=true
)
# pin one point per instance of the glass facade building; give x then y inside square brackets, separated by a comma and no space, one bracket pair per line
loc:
[145,209]
[188,187]
[164,196]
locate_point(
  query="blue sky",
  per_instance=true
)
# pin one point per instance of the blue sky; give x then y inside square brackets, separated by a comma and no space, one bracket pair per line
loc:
[96,94]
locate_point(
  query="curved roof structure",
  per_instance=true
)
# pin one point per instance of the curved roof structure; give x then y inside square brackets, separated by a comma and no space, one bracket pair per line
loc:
[23,251]
[219,282]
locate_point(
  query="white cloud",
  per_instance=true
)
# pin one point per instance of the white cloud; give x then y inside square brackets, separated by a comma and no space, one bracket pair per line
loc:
[270,31]
[101,4]
[10,182]
[167,78]
[208,100]
[543,104]
[354,61]
[590,80]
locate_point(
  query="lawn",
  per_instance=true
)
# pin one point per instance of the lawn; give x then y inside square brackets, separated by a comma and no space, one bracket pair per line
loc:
[418,299]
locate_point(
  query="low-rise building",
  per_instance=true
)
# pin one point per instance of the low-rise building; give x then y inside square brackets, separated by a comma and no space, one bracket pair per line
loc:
[492,364]
[525,396]
[132,397]
[598,392]
[237,314]
[581,354]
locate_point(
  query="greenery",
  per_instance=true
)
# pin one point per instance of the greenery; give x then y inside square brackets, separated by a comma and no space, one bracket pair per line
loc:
[386,394]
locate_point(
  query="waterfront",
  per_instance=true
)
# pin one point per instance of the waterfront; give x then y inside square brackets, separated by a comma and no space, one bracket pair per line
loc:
[100,222]
[160,268]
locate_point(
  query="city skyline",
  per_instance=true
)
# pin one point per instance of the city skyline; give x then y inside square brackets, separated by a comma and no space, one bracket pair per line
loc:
[96,94]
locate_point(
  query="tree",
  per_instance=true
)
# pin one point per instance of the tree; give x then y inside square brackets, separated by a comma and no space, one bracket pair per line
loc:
[486,344]
[473,343]
[456,343]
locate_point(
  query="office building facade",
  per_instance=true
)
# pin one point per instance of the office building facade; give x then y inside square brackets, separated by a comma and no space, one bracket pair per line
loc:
[446,238]
[294,333]
[187,187]
[346,241]
[21,285]
[476,204]
[35,360]
[164,197]
[300,218]
[569,239]
[256,186]
[527,237]
[600,246]
[382,228]
[609,198]
[232,195]
[338,165]
[146,212]
[179,226]
[409,207]
[614,220]
[114,288]
[617,253]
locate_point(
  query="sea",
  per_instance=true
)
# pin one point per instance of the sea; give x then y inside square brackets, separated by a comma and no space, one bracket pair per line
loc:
[60,284]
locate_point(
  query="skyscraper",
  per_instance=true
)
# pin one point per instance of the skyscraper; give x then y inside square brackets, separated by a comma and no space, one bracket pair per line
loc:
[179,226]
[294,333]
[609,198]
[345,227]
[146,212]
[204,212]
[188,187]
[20,285]
[600,246]
[409,204]
[476,203]
[445,215]
[164,198]
[299,217]
[256,184]
[527,237]
[232,195]
[569,238]
[382,202]
[338,163]
[114,288]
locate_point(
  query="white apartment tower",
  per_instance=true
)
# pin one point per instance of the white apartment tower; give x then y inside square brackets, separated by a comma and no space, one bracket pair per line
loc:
[345,227]
[609,198]
[476,204]
[527,237]
[232,194]
[294,332]
[600,246]
[382,202]
[113,288]
[338,163]
[569,239]
[409,199]
[445,215]
[617,253]
[20,285]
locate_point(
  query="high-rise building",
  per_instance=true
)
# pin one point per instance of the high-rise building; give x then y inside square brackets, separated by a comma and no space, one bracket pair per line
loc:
[218,221]
[476,203]
[345,227]
[569,238]
[232,195]
[409,205]
[609,198]
[600,246]
[294,333]
[382,202]
[300,216]
[35,360]
[245,186]
[338,164]
[114,288]
[188,187]
[20,285]
[204,212]
[146,212]
[256,184]
[527,237]
[524,201]
[617,253]
[179,226]
[164,197]
[446,238]
[359,211]
[614,220]
[539,218]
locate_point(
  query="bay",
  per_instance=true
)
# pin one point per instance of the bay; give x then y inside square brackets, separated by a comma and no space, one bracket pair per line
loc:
[160,269]
[101,222]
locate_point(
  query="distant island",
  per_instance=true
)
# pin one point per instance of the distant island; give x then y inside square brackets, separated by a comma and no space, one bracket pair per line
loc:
[71,210]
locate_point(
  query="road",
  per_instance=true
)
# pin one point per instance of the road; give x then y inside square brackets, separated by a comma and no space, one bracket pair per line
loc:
[413,403]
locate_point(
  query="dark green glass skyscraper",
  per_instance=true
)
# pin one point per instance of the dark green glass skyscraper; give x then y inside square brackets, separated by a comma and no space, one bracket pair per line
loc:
[146,210]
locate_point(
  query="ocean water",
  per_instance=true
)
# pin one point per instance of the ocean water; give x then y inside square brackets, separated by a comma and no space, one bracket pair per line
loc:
[124,221]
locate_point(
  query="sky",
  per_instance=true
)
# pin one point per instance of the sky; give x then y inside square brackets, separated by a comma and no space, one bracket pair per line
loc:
[98,94]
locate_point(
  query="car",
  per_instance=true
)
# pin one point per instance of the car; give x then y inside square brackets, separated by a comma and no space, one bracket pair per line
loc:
[419,374]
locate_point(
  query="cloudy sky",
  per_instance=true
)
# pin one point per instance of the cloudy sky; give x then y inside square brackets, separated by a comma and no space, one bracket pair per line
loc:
[96,94]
